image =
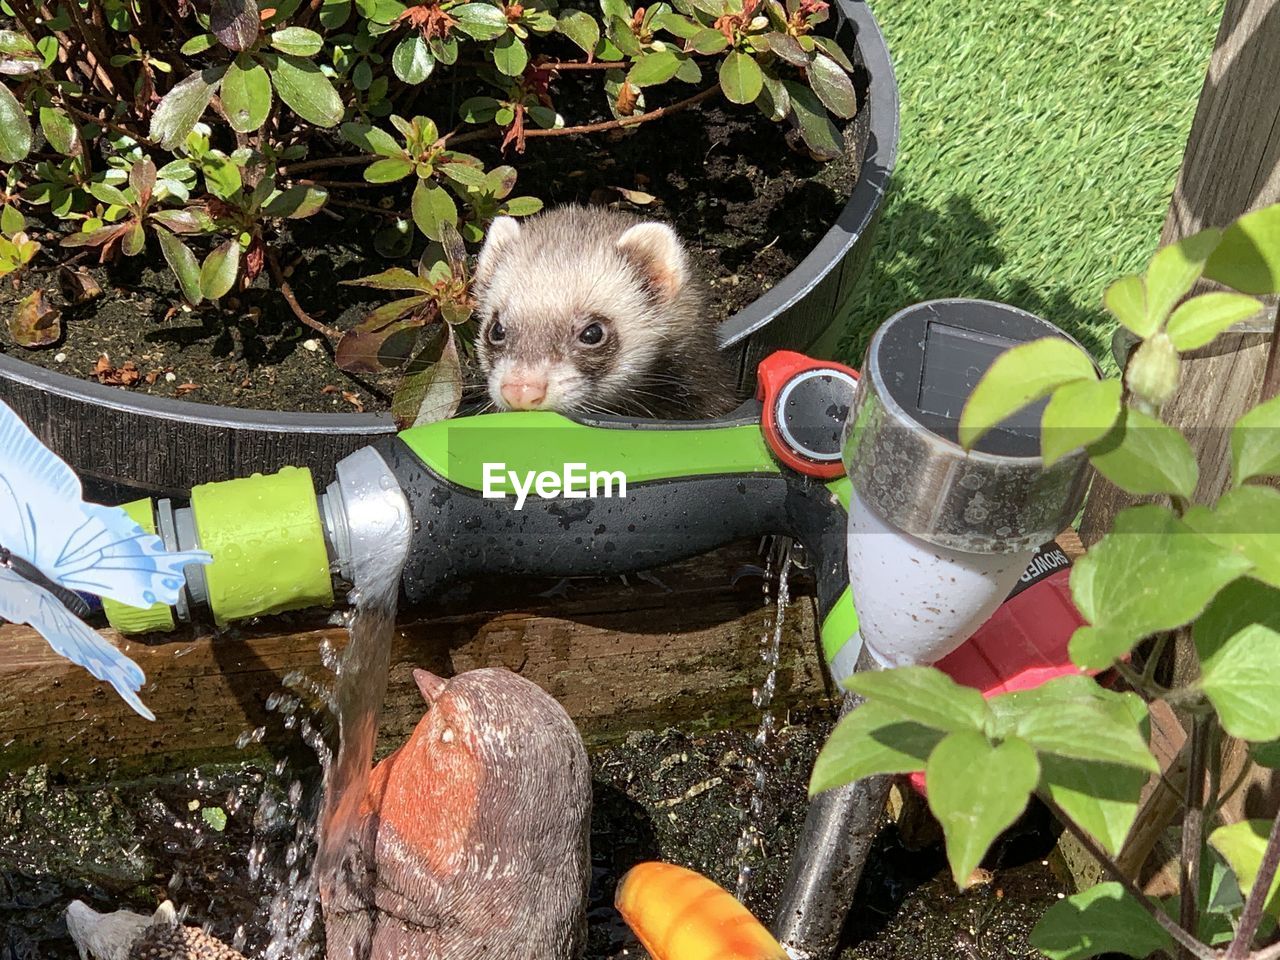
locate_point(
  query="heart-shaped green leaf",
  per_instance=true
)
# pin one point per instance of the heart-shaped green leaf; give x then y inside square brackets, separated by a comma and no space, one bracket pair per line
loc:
[926,696]
[1242,845]
[1127,301]
[1147,545]
[874,738]
[1143,456]
[1202,318]
[977,791]
[1245,520]
[1174,270]
[1248,257]
[1255,443]
[1078,414]
[1017,378]
[1102,798]
[1102,919]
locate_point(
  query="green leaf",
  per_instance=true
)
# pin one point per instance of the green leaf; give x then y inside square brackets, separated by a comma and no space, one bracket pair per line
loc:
[1127,301]
[1078,414]
[581,28]
[1266,754]
[1248,257]
[11,221]
[478,109]
[388,170]
[198,44]
[521,206]
[108,194]
[1150,573]
[221,175]
[1202,318]
[334,13]
[1255,443]
[371,139]
[689,71]
[412,60]
[306,90]
[480,21]
[1245,520]
[1073,717]
[1143,456]
[977,791]
[926,696]
[1020,376]
[833,86]
[215,817]
[788,48]
[15,128]
[394,278]
[133,240]
[297,203]
[544,117]
[740,77]
[1102,919]
[218,274]
[246,94]
[432,208]
[874,738]
[1102,798]
[510,55]
[679,26]
[184,265]
[774,101]
[1174,270]
[384,339]
[709,42]
[1242,845]
[60,130]
[653,69]
[832,49]
[298,41]
[464,174]
[1240,681]
[181,109]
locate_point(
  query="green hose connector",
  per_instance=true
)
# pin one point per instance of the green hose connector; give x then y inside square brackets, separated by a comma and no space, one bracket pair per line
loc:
[129,619]
[267,542]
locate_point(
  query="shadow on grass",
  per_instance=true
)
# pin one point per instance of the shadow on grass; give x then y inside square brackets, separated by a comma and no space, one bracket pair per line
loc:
[926,252]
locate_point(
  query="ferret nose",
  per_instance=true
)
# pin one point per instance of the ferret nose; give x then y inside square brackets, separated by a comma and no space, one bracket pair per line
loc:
[525,393]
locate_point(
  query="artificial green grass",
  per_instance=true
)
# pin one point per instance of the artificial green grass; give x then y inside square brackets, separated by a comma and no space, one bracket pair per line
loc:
[1040,144]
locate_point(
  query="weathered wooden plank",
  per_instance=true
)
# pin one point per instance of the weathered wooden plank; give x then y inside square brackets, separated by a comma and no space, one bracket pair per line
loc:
[616,656]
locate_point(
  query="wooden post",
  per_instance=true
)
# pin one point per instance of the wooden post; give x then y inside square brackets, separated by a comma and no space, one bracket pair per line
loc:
[1231,166]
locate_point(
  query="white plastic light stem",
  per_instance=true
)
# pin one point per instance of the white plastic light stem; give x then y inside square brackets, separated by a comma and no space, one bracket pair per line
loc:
[917,602]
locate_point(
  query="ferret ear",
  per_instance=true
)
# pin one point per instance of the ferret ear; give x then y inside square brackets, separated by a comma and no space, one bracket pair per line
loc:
[501,233]
[658,252]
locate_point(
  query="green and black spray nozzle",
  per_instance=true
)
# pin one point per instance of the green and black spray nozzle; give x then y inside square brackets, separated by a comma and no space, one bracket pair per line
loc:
[530,493]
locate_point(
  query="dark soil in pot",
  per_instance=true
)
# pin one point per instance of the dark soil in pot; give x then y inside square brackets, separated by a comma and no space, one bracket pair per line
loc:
[671,795]
[749,207]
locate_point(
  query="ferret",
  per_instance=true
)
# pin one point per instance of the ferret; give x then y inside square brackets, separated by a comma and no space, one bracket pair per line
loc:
[593,311]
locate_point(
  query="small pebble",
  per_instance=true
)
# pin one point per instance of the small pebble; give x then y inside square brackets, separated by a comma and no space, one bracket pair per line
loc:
[311,345]
[170,377]
[60,357]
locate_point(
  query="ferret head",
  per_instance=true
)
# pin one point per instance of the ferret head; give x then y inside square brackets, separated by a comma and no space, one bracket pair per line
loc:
[577,306]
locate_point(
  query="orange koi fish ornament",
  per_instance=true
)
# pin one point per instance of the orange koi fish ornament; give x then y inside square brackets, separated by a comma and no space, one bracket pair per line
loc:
[681,915]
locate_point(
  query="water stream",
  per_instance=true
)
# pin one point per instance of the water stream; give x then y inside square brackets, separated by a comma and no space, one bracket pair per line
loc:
[750,842]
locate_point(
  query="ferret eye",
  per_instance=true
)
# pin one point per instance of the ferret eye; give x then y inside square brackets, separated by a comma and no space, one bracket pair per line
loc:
[592,335]
[497,333]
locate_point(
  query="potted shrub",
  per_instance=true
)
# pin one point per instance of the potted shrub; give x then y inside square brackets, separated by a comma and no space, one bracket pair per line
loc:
[198,156]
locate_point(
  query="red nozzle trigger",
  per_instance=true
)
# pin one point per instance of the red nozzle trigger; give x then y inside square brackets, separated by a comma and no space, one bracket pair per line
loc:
[804,403]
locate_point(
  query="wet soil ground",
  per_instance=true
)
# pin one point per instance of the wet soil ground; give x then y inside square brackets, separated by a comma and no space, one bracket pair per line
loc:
[667,795]
[749,207]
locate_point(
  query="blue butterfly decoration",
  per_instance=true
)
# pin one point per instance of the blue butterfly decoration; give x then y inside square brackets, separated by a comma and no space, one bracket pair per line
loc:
[54,545]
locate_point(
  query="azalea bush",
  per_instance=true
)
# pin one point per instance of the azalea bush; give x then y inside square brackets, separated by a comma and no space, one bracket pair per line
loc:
[1203,571]
[198,129]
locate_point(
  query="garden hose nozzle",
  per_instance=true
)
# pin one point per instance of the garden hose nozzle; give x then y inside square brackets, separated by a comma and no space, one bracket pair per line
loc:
[530,494]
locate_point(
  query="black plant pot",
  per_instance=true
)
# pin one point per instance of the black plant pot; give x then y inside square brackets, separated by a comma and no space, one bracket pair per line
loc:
[125,444]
